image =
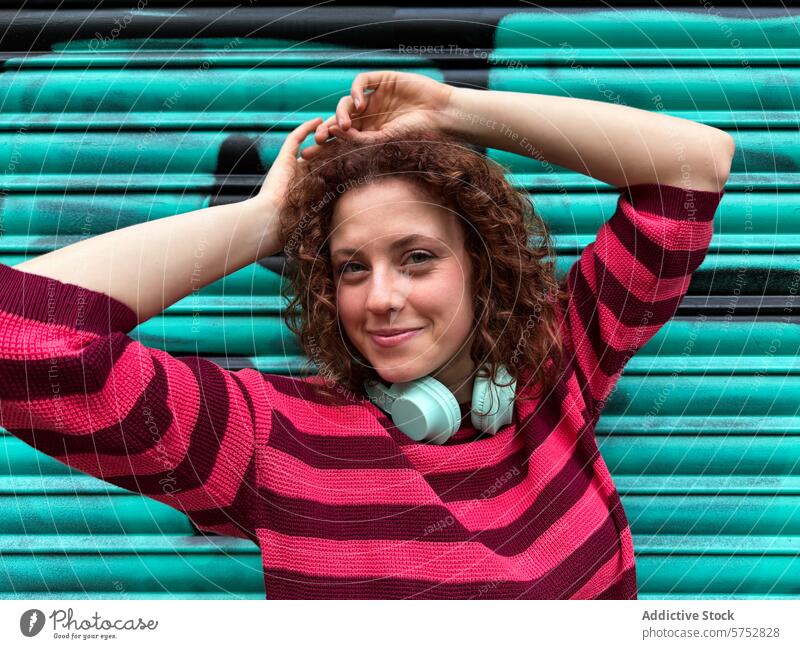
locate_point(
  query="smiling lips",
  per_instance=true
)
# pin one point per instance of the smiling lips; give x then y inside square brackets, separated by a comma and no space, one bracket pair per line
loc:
[393,340]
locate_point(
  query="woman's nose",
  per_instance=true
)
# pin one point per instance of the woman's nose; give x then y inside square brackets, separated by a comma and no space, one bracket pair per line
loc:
[388,290]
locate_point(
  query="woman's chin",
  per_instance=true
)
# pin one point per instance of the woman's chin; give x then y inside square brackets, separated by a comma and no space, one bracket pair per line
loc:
[398,375]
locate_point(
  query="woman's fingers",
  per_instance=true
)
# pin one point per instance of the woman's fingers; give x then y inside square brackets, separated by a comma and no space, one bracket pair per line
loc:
[362,82]
[344,108]
[310,151]
[323,130]
[326,129]
[292,143]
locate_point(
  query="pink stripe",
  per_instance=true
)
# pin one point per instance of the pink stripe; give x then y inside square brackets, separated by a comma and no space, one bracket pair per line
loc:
[574,405]
[609,572]
[608,489]
[296,479]
[621,337]
[406,486]
[431,458]
[490,514]
[31,340]
[678,235]
[85,414]
[318,419]
[630,272]
[439,562]
[544,464]
[585,356]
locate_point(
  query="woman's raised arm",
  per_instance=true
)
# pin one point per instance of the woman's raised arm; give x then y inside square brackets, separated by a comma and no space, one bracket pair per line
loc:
[149,266]
[618,145]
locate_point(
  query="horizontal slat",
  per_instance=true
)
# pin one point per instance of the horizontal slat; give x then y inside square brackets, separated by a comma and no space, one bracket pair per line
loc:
[275,89]
[689,28]
[249,55]
[46,220]
[765,423]
[695,88]
[149,158]
[773,228]
[750,457]
[170,570]
[711,514]
[691,573]
[178,120]
[77,483]
[717,563]
[700,397]
[705,595]
[718,544]
[776,243]
[77,544]
[89,514]
[719,274]
[122,594]
[243,184]
[743,485]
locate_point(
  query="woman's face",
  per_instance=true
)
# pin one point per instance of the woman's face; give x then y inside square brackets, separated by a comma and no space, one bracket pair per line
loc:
[387,282]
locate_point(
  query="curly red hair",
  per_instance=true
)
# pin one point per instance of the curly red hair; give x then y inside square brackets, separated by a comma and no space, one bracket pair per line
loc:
[514,283]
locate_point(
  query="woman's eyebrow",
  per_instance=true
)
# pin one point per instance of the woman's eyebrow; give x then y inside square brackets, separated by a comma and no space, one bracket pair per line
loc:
[403,241]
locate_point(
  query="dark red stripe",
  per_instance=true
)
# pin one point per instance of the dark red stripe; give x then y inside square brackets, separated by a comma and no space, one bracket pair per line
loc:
[206,436]
[672,202]
[619,299]
[241,512]
[609,359]
[562,493]
[150,413]
[303,517]
[340,453]
[660,261]
[51,301]
[305,391]
[572,366]
[624,588]
[489,481]
[63,375]
[559,583]
[632,314]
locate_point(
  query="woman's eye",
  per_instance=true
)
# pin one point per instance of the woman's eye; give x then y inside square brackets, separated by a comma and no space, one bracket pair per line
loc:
[420,253]
[344,267]
[417,254]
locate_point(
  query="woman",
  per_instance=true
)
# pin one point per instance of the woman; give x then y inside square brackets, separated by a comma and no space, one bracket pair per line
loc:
[342,502]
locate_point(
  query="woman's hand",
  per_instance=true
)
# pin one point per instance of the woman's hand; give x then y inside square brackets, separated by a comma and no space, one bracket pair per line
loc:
[400,101]
[287,168]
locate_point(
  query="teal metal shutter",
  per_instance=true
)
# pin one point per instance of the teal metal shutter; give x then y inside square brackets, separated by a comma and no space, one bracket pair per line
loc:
[118,115]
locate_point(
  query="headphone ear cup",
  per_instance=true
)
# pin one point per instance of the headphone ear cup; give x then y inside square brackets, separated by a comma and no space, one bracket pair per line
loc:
[425,410]
[492,405]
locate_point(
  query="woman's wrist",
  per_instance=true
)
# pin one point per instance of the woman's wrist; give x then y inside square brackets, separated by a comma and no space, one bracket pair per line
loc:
[465,116]
[264,216]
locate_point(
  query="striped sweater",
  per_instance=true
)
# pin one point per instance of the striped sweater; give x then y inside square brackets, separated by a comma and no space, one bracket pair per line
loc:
[340,502]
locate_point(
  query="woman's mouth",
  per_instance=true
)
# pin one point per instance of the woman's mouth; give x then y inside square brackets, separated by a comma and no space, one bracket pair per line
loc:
[393,341]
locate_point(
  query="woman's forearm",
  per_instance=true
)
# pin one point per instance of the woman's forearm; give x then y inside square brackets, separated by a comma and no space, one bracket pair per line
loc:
[615,144]
[149,266]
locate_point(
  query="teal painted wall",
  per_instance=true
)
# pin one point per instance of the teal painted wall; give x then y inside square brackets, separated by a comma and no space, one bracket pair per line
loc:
[101,129]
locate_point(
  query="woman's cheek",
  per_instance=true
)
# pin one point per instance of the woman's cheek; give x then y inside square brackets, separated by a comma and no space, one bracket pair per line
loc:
[348,306]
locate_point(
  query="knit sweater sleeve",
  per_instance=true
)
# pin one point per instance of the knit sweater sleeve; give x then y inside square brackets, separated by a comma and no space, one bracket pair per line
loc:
[629,282]
[76,387]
